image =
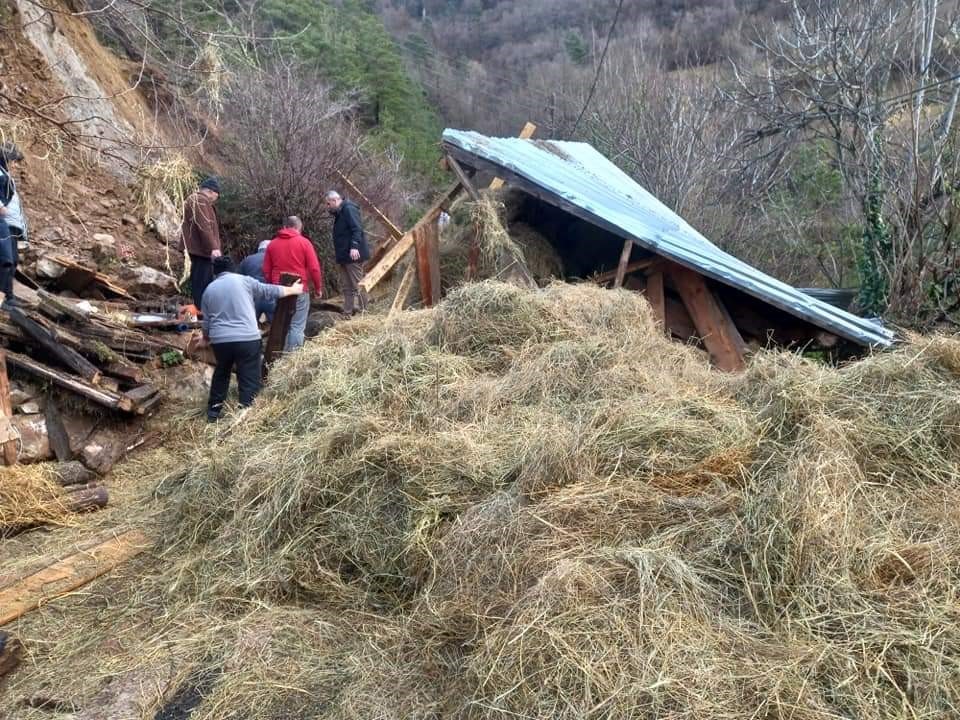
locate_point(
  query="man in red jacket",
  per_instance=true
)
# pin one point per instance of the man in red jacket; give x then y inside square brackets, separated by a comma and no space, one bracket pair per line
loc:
[291,252]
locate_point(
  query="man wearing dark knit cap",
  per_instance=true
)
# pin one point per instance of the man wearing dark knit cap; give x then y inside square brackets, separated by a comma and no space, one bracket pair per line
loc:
[200,235]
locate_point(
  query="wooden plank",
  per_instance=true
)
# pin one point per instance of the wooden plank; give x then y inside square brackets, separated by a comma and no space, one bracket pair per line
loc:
[655,297]
[428,263]
[69,382]
[719,334]
[6,413]
[396,232]
[525,134]
[464,179]
[280,327]
[637,265]
[621,271]
[46,339]
[95,277]
[57,431]
[403,292]
[403,245]
[68,574]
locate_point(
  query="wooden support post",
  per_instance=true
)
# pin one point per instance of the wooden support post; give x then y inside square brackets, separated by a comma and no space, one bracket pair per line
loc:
[528,131]
[403,292]
[8,437]
[428,263]
[605,277]
[396,253]
[622,265]
[655,296]
[714,325]
[282,317]
[68,574]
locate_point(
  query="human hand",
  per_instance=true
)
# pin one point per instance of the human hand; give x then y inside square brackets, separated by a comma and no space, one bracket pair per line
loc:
[3,210]
[297,288]
[354,254]
[215,254]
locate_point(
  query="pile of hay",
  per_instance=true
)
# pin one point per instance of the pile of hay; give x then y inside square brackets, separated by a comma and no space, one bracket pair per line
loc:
[509,248]
[541,507]
[30,496]
[532,504]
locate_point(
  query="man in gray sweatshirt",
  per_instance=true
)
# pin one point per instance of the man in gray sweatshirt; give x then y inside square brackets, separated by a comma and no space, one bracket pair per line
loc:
[230,325]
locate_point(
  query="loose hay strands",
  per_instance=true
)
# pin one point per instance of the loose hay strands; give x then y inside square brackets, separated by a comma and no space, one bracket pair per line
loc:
[29,496]
[532,504]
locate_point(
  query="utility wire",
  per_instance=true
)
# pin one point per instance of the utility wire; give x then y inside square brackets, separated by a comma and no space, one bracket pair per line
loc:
[596,79]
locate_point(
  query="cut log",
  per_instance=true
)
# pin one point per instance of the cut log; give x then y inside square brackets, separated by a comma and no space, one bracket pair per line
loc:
[714,326]
[68,574]
[403,245]
[11,653]
[45,338]
[8,440]
[86,499]
[70,474]
[75,385]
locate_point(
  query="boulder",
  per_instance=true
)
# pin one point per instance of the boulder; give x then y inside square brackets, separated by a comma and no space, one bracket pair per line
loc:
[34,440]
[47,269]
[319,321]
[104,247]
[143,281]
[31,407]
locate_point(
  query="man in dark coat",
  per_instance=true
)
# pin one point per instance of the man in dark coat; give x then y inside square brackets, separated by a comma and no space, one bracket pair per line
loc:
[252,266]
[351,249]
[200,235]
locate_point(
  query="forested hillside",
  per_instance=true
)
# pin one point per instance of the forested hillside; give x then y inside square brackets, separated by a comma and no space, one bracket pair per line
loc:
[813,138]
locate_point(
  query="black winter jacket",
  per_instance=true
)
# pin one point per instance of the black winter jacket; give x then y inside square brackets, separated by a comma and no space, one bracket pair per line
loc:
[348,234]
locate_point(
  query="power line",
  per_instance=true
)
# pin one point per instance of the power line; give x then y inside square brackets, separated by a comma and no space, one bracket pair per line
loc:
[596,79]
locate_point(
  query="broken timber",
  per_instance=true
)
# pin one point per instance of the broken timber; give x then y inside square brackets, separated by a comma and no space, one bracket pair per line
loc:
[427,241]
[396,253]
[7,435]
[78,278]
[280,327]
[68,574]
[46,339]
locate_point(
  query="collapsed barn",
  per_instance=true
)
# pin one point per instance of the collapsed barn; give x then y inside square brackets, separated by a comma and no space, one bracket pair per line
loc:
[603,225]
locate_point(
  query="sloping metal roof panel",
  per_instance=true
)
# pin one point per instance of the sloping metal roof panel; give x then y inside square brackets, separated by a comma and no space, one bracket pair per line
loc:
[578,178]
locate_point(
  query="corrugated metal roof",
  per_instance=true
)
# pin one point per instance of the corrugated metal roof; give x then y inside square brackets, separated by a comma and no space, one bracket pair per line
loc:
[579,179]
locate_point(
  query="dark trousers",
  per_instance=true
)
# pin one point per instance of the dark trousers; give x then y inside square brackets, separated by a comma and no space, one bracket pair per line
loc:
[201,275]
[9,257]
[245,356]
[354,298]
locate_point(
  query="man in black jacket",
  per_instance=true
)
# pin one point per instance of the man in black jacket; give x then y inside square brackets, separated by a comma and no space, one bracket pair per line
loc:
[350,246]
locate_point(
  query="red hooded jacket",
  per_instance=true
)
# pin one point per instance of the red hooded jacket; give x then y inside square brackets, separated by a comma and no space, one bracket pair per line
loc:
[291,252]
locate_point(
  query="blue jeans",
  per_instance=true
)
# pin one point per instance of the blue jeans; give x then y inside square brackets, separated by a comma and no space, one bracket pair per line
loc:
[298,324]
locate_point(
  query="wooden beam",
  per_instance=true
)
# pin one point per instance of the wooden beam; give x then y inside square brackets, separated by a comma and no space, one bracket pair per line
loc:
[637,265]
[396,253]
[280,327]
[525,134]
[74,384]
[7,436]
[68,574]
[719,334]
[678,321]
[394,231]
[464,179]
[403,292]
[655,297]
[621,271]
[47,340]
[428,263]
[89,276]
